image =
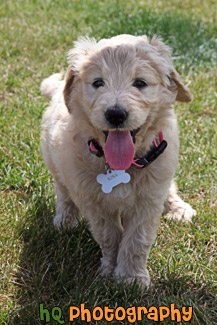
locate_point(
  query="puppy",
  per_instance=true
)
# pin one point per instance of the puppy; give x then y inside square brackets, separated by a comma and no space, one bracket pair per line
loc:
[110,140]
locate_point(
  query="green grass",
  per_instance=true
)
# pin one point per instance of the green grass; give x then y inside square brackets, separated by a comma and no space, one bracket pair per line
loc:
[39,265]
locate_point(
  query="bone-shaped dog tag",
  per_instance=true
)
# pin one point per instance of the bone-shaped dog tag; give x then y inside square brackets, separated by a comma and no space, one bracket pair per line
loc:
[112,178]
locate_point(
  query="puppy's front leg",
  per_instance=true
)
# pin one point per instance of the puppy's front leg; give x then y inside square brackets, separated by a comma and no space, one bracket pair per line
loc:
[107,231]
[138,236]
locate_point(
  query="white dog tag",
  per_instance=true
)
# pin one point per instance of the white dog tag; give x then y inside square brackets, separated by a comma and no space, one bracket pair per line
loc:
[112,178]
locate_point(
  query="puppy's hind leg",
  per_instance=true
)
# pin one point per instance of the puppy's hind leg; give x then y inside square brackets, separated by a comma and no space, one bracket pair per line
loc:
[176,208]
[67,213]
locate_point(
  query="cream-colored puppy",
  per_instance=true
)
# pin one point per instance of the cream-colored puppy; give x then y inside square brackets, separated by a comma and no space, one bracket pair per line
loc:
[113,112]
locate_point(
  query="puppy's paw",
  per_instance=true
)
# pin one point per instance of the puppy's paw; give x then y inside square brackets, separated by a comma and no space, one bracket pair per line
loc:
[60,221]
[144,280]
[106,268]
[181,211]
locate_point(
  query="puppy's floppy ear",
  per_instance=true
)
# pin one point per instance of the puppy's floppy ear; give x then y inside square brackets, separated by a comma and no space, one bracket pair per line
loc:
[67,92]
[183,93]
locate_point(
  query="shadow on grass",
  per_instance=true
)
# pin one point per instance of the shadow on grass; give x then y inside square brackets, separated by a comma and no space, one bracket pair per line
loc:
[59,268]
[53,263]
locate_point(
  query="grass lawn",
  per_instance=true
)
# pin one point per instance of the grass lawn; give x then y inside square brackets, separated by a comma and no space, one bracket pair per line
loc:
[37,263]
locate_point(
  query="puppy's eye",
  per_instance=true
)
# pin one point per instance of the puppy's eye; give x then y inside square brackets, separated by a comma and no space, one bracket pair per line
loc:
[98,83]
[138,83]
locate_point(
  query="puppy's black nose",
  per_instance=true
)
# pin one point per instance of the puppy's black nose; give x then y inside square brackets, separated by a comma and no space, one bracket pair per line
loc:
[116,115]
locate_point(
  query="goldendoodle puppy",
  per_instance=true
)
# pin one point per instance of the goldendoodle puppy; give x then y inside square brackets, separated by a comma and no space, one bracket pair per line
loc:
[110,140]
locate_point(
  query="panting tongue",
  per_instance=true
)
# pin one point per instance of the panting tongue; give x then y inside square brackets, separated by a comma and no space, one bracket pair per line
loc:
[119,150]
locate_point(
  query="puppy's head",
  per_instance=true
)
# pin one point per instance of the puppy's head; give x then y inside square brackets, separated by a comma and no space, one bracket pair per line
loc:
[122,85]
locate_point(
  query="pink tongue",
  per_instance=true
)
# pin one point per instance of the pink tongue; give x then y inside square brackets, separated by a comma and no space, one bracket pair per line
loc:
[119,150]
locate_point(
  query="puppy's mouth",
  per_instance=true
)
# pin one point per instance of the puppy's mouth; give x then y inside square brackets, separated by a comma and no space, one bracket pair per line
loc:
[119,148]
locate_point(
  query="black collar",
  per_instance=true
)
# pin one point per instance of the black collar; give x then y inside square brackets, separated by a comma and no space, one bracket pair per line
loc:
[155,151]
